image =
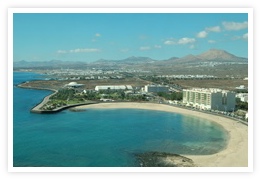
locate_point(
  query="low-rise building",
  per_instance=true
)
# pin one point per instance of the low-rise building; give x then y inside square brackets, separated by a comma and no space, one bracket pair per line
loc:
[156,88]
[241,87]
[242,96]
[74,85]
[210,99]
[114,87]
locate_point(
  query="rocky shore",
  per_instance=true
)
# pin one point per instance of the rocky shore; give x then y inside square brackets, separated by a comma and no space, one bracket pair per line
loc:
[163,159]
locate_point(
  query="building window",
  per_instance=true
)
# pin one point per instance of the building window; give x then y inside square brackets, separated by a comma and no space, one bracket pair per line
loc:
[224,98]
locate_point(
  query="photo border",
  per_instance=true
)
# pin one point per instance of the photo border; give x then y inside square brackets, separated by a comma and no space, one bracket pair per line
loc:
[11,11]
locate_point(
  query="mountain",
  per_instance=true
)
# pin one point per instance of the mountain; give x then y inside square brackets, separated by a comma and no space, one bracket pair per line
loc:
[133,60]
[219,55]
[47,64]
[212,55]
[171,60]
[137,60]
[188,58]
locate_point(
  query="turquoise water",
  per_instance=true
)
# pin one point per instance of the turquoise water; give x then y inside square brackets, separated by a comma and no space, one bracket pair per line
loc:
[102,137]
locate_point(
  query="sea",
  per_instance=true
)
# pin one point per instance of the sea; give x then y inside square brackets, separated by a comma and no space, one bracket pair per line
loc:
[102,137]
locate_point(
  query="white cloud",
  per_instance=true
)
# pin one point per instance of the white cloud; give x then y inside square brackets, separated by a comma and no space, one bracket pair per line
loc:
[235,26]
[78,50]
[183,41]
[61,51]
[144,48]
[202,34]
[242,37]
[157,46]
[192,46]
[186,40]
[211,41]
[245,36]
[84,50]
[213,29]
[170,42]
[98,35]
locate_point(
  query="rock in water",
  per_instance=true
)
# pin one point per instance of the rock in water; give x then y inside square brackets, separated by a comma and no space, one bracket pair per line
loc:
[162,159]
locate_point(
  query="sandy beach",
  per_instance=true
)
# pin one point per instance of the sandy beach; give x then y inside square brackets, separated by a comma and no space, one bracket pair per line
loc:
[234,155]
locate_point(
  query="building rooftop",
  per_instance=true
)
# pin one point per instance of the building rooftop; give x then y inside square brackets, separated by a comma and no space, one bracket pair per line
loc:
[129,87]
[156,85]
[74,84]
[210,90]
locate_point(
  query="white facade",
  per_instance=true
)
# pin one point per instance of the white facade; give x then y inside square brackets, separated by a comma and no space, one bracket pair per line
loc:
[246,116]
[214,99]
[74,84]
[241,87]
[242,96]
[156,88]
[111,87]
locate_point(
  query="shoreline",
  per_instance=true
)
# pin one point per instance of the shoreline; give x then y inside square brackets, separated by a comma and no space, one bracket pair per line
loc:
[234,155]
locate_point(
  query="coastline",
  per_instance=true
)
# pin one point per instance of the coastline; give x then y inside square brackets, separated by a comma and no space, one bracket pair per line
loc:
[234,155]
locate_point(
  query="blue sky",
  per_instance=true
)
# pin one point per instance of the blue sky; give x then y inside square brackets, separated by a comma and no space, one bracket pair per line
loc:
[93,36]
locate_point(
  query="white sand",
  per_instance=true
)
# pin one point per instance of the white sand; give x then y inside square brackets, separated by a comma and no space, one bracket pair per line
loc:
[234,155]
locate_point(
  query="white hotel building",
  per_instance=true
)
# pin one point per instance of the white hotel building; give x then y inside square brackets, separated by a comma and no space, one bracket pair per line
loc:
[215,99]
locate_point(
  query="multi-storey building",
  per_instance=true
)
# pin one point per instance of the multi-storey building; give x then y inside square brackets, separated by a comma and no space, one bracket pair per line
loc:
[215,99]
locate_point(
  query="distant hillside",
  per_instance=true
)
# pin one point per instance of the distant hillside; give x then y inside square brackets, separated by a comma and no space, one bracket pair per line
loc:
[212,55]
[137,60]
[128,61]
[219,55]
[48,64]
[188,58]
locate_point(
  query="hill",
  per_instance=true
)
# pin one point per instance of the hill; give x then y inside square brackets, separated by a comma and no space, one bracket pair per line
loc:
[207,58]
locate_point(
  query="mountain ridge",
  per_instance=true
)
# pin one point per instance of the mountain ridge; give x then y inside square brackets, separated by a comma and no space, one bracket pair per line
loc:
[212,55]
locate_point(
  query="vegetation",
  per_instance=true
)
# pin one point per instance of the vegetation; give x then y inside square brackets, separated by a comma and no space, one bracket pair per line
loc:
[64,94]
[121,95]
[171,96]
[69,96]
[241,105]
[240,90]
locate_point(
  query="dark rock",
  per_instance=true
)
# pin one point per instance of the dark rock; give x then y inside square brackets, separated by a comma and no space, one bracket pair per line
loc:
[162,159]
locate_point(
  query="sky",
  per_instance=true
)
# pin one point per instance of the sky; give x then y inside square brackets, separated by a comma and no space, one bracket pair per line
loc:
[113,36]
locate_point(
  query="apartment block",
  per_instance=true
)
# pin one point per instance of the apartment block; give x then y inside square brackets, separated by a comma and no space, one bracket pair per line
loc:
[210,99]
